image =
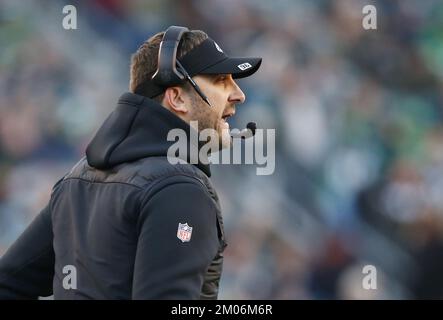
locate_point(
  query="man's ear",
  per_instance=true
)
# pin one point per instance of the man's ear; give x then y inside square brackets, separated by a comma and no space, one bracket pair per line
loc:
[174,98]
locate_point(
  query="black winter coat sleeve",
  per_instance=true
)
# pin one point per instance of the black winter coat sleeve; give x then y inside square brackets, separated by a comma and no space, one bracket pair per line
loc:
[166,267]
[27,267]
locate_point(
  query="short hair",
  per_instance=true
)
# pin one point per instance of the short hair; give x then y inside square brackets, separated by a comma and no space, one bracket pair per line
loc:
[144,61]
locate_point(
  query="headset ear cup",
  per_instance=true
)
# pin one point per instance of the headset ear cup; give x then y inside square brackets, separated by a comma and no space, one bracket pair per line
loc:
[167,73]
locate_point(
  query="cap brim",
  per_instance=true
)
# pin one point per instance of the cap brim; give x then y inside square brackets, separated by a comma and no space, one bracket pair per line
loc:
[238,67]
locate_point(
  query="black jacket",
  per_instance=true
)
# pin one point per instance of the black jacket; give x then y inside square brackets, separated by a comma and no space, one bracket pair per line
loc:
[115,218]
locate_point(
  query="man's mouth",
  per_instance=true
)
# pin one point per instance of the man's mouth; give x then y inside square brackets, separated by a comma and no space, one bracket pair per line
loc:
[224,120]
[227,115]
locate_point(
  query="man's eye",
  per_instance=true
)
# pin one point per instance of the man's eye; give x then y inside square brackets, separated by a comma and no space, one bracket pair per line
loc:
[221,78]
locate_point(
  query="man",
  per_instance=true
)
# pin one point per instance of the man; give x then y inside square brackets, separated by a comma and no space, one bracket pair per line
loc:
[126,223]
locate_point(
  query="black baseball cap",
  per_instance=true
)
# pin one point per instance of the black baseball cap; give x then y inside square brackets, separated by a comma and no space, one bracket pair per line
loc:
[207,58]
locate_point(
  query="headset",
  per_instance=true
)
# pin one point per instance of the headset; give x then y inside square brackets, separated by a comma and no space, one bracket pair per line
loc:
[170,71]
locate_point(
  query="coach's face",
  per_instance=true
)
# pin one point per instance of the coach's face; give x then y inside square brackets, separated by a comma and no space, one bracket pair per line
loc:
[224,94]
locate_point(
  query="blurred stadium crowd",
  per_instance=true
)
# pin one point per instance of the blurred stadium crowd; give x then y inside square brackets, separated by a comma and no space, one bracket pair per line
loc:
[357,113]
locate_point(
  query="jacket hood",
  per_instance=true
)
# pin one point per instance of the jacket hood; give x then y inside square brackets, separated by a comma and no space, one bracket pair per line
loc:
[136,129]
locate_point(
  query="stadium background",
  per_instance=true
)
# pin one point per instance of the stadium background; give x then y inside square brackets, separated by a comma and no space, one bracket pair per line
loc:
[358,118]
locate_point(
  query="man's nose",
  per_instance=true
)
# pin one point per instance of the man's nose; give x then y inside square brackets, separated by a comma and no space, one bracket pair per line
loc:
[237,96]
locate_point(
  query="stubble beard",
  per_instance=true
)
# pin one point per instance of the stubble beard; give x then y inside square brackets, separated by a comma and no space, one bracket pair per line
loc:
[207,119]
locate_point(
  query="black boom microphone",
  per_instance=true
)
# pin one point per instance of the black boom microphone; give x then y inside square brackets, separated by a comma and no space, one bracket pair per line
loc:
[246,133]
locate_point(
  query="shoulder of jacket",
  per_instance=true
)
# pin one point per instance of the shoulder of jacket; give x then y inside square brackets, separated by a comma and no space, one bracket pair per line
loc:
[152,169]
[142,173]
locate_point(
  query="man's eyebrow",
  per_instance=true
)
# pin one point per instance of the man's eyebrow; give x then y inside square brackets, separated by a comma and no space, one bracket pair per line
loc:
[219,75]
[213,77]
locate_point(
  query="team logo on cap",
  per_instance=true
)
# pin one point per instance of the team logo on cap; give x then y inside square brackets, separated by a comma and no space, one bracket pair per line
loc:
[217,47]
[244,66]
[184,232]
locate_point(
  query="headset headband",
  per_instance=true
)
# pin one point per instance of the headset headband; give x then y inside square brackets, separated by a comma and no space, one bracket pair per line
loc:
[166,73]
